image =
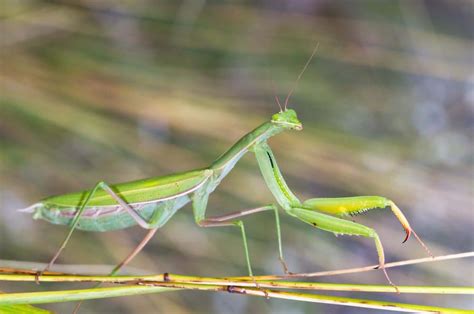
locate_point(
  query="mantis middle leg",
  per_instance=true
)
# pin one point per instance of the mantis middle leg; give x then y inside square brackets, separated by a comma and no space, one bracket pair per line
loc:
[200,205]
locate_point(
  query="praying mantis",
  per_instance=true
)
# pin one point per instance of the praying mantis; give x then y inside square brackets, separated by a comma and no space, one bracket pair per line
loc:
[151,203]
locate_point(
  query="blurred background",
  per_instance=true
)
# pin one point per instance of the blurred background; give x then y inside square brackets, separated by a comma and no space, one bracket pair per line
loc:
[117,91]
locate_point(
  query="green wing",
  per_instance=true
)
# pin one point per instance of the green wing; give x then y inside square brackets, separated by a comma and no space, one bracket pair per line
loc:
[140,191]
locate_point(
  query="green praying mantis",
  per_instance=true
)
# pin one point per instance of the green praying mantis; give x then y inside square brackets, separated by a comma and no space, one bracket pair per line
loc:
[151,203]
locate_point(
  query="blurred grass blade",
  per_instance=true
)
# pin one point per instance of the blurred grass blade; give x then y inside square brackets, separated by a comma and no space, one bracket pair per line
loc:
[21,308]
[98,293]
[77,295]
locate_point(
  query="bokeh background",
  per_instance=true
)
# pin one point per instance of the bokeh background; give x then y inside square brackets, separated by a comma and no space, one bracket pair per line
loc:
[122,90]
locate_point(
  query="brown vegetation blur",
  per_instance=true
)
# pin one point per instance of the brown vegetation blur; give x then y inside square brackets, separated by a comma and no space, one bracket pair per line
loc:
[101,90]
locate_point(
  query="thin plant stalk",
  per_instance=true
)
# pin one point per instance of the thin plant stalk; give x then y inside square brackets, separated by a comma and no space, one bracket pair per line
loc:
[97,293]
[363,269]
[172,279]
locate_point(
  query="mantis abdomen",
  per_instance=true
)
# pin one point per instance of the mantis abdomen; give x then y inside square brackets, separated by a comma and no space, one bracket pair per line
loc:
[111,217]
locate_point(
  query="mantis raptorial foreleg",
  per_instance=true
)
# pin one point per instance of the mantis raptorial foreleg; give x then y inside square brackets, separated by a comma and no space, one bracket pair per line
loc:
[341,226]
[351,206]
[308,210]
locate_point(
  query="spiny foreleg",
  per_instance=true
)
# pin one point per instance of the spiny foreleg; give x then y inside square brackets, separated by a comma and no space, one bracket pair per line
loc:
[341,226]
[350,206]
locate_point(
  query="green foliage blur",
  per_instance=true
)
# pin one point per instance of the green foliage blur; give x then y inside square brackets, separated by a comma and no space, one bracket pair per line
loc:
[123,90]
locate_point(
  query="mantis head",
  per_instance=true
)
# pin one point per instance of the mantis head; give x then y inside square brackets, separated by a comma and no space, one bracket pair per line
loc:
[287,119]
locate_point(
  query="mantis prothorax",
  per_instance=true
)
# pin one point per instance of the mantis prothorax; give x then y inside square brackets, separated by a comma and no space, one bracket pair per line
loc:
[152,202]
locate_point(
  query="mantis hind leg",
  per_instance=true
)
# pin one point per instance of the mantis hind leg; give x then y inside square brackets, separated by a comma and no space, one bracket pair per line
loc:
[101,185]
[149,235]
[341,226]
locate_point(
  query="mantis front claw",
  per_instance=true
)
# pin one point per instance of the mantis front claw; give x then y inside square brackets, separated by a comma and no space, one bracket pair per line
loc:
[403,220]
[398,213]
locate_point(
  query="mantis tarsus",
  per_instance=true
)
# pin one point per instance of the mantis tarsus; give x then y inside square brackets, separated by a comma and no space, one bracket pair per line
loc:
[151,202]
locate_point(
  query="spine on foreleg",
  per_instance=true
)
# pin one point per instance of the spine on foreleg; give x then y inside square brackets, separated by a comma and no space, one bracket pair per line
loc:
[343,206]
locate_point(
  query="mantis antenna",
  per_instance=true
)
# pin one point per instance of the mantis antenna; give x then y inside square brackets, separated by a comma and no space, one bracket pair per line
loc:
[301,74]
[278,102]
[275,93]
